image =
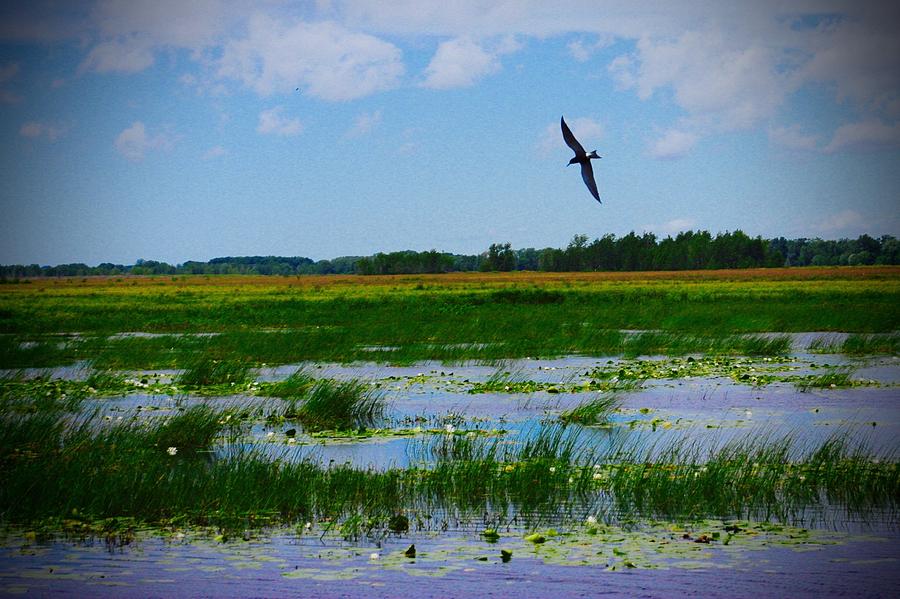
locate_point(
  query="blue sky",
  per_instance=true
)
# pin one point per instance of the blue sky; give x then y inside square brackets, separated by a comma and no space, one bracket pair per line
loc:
[176,130]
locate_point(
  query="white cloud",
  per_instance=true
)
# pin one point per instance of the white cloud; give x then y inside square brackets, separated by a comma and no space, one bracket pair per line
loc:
[134,142]
[673,144]
[676,225]
[586,130]
[582,51]
[721,85]
[865,135]
[35,129]
[461,62]
[214,152]
[793,138]
[365,123]
[324,59]
[124,55]
[273,122]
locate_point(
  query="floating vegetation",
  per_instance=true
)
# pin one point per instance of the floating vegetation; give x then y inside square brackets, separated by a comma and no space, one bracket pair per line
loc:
[741,370]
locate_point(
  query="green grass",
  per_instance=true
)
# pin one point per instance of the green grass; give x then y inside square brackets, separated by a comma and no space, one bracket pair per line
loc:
[594,411]
[836,379]
[207,371]
[337,405]
[485,320]
[295,385]
[858,345]
[91,469]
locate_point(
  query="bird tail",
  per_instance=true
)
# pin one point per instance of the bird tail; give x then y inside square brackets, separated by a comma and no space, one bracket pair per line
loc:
[593,154]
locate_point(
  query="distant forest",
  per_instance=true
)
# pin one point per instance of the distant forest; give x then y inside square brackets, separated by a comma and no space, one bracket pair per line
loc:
[688,250]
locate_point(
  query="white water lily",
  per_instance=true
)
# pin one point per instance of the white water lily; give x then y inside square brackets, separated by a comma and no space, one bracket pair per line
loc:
[450,428]
[373,556]
[270,434]
[597,476]
[552,469]
[591,520]
[172,450]
[308,525]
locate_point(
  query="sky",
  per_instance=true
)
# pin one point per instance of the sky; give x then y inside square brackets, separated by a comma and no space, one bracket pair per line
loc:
[179,130]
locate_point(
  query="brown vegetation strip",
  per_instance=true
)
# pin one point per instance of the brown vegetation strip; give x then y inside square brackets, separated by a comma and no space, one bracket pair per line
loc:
[848,273]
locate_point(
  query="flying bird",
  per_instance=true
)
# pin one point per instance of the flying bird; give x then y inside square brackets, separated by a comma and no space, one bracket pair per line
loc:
[582,158]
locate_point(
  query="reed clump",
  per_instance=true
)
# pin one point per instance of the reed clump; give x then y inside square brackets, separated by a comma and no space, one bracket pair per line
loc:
[593,411]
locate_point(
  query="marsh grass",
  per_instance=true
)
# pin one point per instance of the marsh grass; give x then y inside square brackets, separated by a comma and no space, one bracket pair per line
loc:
[871,345]
[295,385]
[757,476]
[838,378]
[89,469]
[654,343]
[207,371]
[593,411]
[337,405]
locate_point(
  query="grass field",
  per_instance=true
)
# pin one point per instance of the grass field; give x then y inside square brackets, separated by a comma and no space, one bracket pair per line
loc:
[444,317]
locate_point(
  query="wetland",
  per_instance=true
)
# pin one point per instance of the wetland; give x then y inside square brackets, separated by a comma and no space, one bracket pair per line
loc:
[495,434]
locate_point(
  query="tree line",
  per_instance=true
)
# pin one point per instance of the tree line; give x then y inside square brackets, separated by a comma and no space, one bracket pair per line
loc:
[686,251]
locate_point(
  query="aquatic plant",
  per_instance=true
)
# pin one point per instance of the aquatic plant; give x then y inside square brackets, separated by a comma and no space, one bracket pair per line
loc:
[206,370]
[593,411]
[295,385]
[338,405]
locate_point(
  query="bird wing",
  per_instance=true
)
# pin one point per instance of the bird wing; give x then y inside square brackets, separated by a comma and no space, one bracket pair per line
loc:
[587,173]
[570,139]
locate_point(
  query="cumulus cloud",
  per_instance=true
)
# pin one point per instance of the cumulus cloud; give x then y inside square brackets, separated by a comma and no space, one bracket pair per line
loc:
[325,59]
[134,142]
[865,136]
[462,62]
[673,144]
[129,34]
[273,122]
[365,123]
[793,138]
[459,63]
[127,55]
[35,129]
[582,51]
[721,85]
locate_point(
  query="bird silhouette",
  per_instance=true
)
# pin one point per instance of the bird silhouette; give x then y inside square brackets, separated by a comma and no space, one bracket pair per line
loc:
[582,158]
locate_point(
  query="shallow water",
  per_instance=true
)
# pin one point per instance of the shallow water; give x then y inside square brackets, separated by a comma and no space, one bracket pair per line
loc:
[833,564]
[847,556]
